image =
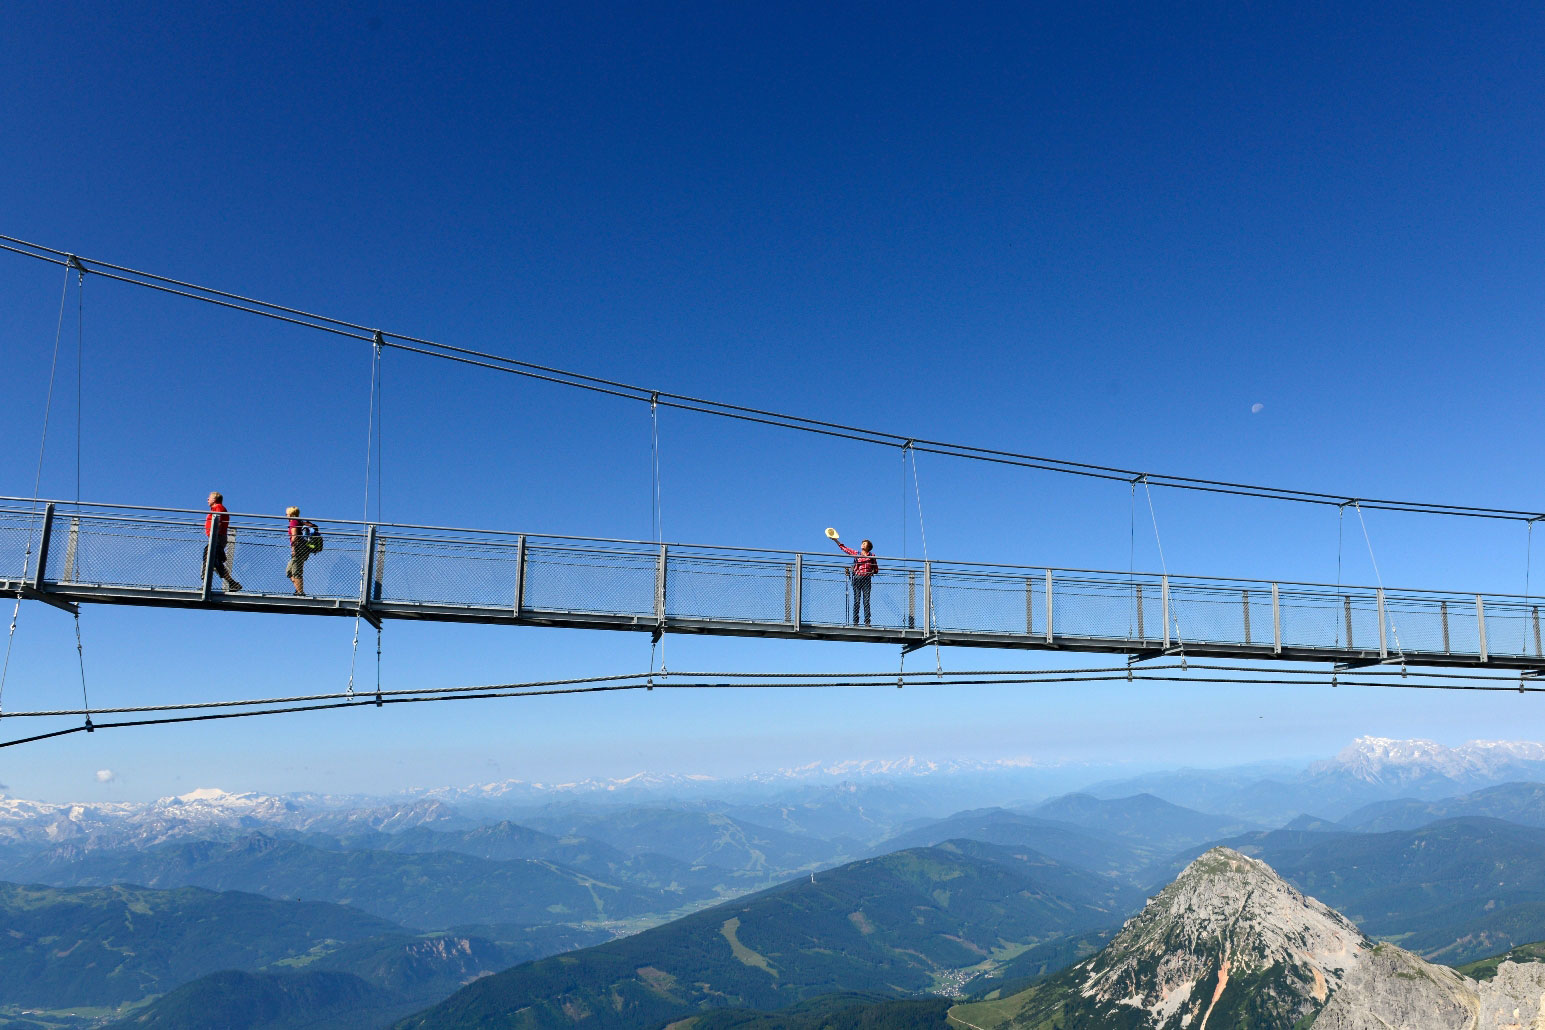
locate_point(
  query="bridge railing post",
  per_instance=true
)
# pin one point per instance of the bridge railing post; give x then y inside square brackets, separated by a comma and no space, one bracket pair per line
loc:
[1443,617]
[1480,624]
[40,574]
[1029,607]
[1142,629]
[1276,621]
[1383,644]
[1245,603]
[1537,651]
[911,599]
[209,557]
[797,608]
[1048,607]
[1164,597]
[520,574]
[367,568]
[928,598]
[1346,607]
[659,590]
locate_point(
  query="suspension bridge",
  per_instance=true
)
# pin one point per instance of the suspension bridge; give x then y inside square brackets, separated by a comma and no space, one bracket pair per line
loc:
[69,554]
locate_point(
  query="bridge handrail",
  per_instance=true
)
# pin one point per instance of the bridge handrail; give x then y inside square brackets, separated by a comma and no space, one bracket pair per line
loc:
[940,567]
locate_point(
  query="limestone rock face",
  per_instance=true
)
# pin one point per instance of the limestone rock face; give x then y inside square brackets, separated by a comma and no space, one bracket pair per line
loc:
[1228,942]
[1231,944]
[1395,990]
[1514,999]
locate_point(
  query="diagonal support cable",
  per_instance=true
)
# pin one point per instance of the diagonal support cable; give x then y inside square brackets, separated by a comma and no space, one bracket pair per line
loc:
[1394,630]
[1174,613]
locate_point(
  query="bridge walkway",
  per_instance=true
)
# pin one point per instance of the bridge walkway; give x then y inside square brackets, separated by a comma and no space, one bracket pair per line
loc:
[67,554]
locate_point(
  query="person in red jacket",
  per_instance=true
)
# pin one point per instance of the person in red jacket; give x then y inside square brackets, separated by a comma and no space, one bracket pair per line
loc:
[215,525]
[862,573]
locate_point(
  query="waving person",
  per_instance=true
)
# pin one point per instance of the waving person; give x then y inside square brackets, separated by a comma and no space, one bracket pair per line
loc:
[861,572]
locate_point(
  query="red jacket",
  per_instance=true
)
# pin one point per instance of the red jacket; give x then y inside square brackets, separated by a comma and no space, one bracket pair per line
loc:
[217,522]
[864,565]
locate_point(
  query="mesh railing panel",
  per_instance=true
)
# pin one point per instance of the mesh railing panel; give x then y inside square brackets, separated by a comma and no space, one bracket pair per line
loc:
[262,555]
[1310,620]
[596,580]
[1091,608]
[18,529]
[831,597]
[143,554]
[471,573]
[734,589]
[965,603]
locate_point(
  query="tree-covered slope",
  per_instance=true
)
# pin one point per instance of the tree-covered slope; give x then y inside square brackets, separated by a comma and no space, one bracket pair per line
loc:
[428,891]
[103,946]
[1065,842]
[235,1000]
[904,923]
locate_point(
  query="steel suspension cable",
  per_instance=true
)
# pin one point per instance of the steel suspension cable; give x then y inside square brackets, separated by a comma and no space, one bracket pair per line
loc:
[1164,568]
[1394,630]
[80,363]
[37,485]
[922,530]
[537,690]
[364,566]
[657,522]
[724,409]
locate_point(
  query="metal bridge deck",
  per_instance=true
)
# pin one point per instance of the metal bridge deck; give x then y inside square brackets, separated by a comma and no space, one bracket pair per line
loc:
[66,554]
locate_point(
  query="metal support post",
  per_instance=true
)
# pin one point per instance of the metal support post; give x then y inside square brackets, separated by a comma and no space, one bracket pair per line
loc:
[911,599]
[1246,602]
[1443,616]
[1276,621]
[1164,598]
[1346,606]
[520,574]
[1029,607]
[788,592]
[1537,652]
[42,548]
[72,551]
[209,558]
[928,597]
[659,591]
[378,568]
[1383,645]
[367,570]
[1048,606]
[1142,633]
[799,592]
[1480,624]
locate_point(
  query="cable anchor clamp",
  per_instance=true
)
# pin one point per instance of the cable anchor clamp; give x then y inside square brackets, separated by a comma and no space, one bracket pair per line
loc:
[71,261]
[378,341]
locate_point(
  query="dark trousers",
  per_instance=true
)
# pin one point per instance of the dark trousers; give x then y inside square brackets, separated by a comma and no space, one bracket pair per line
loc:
[221,566]
[861,585]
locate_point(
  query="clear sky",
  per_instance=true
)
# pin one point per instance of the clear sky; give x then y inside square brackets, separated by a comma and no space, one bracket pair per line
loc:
[1101,232]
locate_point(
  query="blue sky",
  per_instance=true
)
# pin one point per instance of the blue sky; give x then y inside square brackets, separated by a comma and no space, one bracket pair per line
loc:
[1100,233]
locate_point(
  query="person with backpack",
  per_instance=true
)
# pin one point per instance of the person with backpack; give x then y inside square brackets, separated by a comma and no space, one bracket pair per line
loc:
[305,540]
[216,523]
[861,573]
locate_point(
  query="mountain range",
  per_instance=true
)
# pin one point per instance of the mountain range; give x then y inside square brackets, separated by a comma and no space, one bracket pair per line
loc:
[919,920]
[1446,876]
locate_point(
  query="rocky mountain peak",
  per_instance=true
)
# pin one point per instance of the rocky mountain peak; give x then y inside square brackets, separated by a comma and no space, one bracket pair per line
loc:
[1226,919]
[1231,944]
